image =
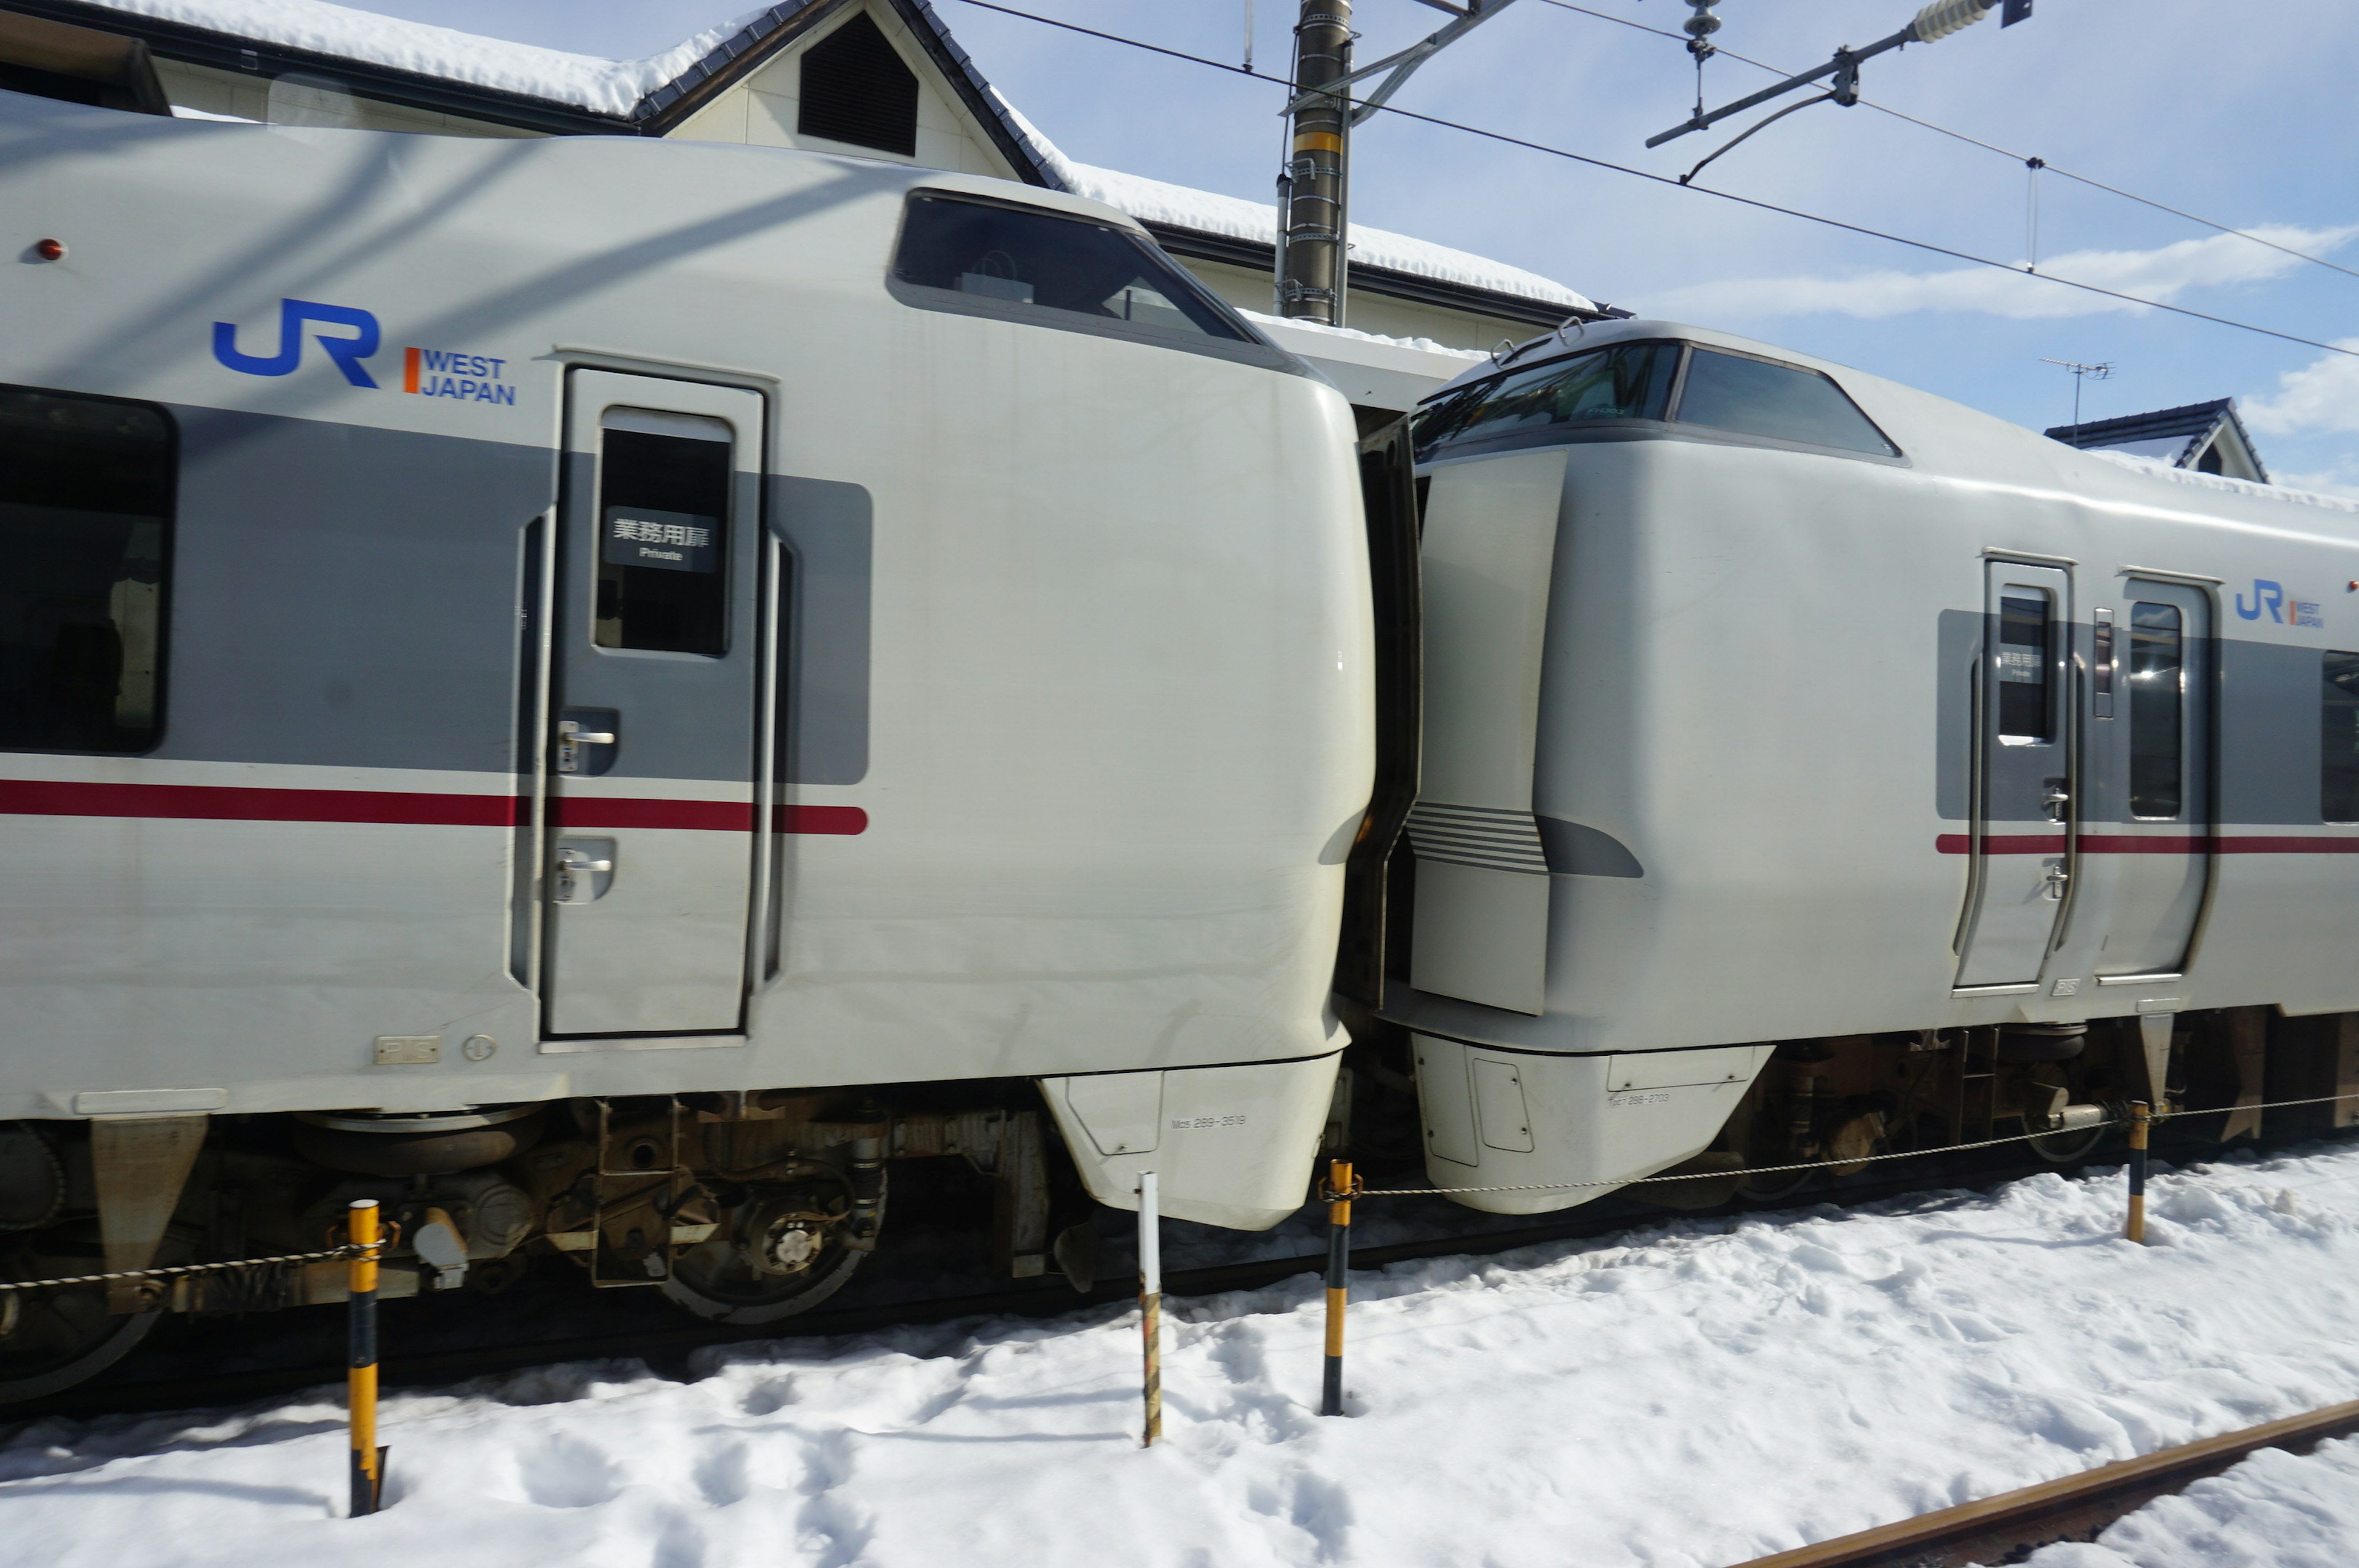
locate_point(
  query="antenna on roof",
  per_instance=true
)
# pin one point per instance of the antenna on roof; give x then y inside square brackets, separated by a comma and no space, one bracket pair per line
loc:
[2081,373]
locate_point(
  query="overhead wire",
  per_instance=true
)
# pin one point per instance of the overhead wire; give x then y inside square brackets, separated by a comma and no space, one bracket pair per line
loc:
[1861,229]
[2028,161]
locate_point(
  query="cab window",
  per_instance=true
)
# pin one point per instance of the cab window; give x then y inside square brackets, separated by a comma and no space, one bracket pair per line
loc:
[1784,403]
[1052,268]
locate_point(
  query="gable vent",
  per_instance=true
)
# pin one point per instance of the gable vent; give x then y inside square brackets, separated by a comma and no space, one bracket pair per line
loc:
[856,90]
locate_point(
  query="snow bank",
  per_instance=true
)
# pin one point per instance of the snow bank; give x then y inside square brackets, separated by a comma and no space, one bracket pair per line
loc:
[1699,1393]
[606,86]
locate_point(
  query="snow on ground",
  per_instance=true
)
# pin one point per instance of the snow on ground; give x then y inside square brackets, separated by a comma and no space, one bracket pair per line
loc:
[2271,1511]
[1699,1392]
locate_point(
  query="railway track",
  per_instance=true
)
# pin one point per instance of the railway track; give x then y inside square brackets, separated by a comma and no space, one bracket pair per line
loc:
[132,1388]
[2006,1528]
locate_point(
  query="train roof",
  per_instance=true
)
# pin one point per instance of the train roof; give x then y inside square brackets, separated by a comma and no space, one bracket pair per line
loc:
[1940,436]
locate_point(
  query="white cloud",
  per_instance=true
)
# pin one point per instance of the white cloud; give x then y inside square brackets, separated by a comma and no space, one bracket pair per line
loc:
[2159,275]
[2339,480]
[2322,395]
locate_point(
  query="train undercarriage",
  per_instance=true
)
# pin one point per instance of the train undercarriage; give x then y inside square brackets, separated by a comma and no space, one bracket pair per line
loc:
[748,1208]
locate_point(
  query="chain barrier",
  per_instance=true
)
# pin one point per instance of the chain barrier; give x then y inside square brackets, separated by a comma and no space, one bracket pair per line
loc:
[179,1270]
[1851,1163]
[1340,1189]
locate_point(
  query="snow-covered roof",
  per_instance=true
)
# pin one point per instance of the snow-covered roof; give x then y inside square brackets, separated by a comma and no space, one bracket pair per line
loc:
[647,93]
[585,81]
[2159,468]
[1205,212]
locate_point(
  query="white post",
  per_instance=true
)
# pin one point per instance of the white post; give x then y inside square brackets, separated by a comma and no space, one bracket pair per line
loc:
[1150,1301]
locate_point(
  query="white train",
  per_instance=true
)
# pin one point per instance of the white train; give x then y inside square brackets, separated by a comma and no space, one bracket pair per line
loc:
[602,691]
[1774,709]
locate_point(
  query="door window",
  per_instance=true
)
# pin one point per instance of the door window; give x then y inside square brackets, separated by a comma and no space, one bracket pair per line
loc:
[2157,661]
[2024,713]
[663,535]
[2338,735]
[85,511]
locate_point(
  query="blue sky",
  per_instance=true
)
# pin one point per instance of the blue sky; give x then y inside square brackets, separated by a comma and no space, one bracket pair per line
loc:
[2239,112]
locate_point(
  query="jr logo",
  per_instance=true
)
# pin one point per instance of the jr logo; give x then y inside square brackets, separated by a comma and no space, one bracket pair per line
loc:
[346,353]
[2267,596]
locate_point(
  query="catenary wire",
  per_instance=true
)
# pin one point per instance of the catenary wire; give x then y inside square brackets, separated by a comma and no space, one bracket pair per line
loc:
[1754,202]
[1978,142]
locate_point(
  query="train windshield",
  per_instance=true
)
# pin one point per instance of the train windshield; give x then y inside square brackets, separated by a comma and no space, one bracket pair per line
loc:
[1032,261]
[1784,403]
[1632,381]
[1734,394]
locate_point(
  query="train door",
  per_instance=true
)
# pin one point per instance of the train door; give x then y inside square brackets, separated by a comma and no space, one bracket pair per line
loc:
[2023,776]
[2148,843]
[656,671]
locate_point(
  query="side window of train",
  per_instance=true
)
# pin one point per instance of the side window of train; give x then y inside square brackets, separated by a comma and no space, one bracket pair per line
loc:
[1784,403]
[2026,713]
[2338,725]
[663,528]
[1056,270]
[2157,661]
[85,533]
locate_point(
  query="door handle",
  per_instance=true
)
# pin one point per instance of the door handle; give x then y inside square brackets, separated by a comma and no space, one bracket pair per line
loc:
[570,738]
[2054,882]
[574,873]
[2055,799]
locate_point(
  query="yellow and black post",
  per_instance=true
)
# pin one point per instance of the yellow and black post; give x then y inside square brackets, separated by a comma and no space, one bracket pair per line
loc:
[368,1459]
[1340,1188]
[2139,1121]
[1150,1300]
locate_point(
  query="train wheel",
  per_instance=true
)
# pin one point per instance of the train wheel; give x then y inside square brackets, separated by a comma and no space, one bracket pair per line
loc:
[51,1340]
[776,1252]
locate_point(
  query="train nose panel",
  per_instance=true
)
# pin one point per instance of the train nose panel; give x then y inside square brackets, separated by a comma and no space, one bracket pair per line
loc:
[1575,1128]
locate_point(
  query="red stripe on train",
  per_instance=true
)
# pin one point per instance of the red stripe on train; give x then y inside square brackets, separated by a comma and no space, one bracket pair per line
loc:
[2142,844]
[233,803]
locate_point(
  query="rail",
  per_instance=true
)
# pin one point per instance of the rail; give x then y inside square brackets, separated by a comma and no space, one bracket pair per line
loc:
[1909,1541]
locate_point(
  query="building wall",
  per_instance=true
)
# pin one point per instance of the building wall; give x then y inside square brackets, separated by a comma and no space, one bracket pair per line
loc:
[1249,289]
[761,109]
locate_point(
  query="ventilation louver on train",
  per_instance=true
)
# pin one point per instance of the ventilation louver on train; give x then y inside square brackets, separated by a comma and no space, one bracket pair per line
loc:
[856,90]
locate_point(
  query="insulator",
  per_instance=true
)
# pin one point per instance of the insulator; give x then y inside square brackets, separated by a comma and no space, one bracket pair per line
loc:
[1704,24]
[1944,17]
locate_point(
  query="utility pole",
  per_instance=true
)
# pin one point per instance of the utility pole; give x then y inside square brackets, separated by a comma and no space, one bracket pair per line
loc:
[1312,259]
[1314,190]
